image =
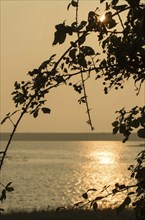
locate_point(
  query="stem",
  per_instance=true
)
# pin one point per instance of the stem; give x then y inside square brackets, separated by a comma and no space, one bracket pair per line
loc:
[85,71]
[118,12]
[2,185]
[121,21]
[57,63]
[82,77]
[105,196]
[11,121]
[10,139]
[13,132]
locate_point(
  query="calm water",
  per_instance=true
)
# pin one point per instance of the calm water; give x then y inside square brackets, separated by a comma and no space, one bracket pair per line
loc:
[57,173]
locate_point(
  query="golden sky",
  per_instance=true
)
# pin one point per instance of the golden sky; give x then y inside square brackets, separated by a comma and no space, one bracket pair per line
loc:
[27,30]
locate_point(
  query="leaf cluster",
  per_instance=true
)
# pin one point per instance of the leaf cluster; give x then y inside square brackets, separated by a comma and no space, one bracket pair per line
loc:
[127,121]
[6,189]
[30,94]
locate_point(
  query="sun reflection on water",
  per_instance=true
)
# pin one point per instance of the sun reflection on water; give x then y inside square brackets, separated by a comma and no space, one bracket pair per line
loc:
[104,169]
[105,155]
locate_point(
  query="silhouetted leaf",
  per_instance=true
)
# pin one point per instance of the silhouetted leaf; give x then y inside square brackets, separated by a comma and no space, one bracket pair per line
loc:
[45,63]
[142,119]
[72,53]
[132,175]
[8,184]
[122,186]
[82,25]
[59,79]
[3,195]
[95,206]
[46,110]
[141,172]
[131,193]
[99,198]
[135,123]
[9,189]
[114,2]
[69,30]
[68,6]
[141,133]
[88,51]
[74,3]
[125,139]
[109,21]
[115,123]
[127,201]
[115,130]
[119,7]
[112,23]
[65,70]
[114,191]
[107,6]
[81,60]
[85,195]
[60,34]
[17,85]
[35,114]
[82,101]
[93,189]
[59,37]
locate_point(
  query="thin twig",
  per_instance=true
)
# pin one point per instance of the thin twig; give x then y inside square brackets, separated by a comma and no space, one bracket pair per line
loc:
[105,196]
[120,19]
[13,132]
[82,77]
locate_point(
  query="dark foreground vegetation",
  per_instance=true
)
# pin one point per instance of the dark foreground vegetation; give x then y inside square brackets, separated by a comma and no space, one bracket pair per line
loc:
[107,214]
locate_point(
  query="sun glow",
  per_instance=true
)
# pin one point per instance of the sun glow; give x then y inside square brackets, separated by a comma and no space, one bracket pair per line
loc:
[104,157]
[102,18]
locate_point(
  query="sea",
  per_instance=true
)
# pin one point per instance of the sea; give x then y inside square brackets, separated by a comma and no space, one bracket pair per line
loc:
[51,174]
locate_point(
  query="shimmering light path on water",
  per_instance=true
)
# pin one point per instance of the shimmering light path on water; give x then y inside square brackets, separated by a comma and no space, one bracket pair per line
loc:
[57,173]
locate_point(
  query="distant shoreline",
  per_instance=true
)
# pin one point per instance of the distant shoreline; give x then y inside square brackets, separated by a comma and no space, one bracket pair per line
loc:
[67,137]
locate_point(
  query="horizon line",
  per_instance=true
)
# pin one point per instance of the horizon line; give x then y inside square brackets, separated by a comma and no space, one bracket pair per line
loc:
[67,136]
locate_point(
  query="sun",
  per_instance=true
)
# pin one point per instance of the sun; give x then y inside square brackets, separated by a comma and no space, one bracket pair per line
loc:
[102,18]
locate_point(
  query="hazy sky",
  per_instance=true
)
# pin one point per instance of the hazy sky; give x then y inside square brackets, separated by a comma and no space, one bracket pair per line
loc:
[27,31]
